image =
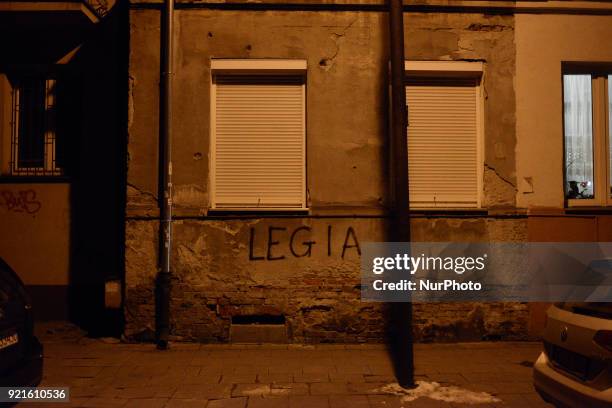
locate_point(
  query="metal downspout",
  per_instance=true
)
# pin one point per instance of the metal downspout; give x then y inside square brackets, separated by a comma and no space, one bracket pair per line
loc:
[165,213]
[402,312]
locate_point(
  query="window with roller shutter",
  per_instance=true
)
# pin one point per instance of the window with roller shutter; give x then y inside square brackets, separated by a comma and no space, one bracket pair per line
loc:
[444,137]
[258,139]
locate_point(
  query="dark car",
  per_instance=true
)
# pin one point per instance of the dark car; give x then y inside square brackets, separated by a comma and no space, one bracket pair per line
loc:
[21,354]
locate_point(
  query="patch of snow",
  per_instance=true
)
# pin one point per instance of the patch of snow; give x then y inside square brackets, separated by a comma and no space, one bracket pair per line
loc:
[438,392]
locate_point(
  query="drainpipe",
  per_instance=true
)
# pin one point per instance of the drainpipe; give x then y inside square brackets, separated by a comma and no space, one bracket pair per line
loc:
[165,210]
[402,312]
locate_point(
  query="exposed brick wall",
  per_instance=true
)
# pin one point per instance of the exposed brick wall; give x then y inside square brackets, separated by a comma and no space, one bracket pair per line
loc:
[215,279]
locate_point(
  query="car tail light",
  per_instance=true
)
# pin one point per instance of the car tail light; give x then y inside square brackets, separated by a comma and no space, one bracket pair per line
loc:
[604,339]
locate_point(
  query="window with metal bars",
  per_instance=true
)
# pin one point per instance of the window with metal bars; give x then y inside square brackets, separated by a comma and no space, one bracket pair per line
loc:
[33,128]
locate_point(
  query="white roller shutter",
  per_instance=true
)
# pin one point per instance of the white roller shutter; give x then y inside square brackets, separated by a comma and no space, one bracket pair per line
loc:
[443,158]
[259,142]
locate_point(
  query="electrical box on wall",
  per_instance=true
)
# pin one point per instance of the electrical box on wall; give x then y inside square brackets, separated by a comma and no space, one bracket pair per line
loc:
[112,294]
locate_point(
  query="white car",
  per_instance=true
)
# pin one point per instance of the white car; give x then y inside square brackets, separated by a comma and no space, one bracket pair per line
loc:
[575,368]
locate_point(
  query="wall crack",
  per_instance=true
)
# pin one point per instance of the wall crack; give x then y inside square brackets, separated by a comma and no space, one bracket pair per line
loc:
[502,178]
[141,191]
[327,62]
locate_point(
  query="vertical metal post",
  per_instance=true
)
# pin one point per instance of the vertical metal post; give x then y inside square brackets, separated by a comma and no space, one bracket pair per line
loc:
[402,312]
[165,213]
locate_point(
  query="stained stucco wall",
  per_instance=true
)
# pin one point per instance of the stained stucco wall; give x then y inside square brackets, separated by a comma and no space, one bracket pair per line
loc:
[35,220]
[346,96]
[35,242]
[543,42]
[217,261]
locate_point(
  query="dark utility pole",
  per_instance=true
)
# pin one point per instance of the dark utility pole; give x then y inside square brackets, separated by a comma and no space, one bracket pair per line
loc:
[401,313]
[165,205]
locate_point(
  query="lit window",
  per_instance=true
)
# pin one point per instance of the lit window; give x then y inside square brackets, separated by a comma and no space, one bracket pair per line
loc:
[609,138]
[587,111]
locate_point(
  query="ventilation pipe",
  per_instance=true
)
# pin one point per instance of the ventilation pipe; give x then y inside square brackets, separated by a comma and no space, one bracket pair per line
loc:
[165,202]
[401,313]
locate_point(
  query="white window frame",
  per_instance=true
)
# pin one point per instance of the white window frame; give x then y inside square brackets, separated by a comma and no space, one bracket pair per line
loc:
[601,143]
[451,70]
[254,67]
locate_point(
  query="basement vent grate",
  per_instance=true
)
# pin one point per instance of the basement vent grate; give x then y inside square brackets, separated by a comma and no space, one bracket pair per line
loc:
[259,319]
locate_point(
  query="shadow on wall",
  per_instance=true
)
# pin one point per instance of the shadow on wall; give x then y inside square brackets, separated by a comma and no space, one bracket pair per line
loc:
[99,98]
[398,330]
[91,123]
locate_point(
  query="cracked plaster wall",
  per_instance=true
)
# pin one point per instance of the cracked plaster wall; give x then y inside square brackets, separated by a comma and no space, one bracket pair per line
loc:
[346,95]
[347,54]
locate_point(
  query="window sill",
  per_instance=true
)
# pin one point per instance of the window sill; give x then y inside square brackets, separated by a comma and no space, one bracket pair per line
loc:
[5,179]
[258,212]
[455,211]
[587,210]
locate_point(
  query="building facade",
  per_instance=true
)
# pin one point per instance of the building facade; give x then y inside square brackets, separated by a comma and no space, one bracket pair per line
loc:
[487,166]
[281,158]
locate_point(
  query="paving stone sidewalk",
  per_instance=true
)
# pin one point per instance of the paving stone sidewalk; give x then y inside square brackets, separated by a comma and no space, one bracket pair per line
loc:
[103,373]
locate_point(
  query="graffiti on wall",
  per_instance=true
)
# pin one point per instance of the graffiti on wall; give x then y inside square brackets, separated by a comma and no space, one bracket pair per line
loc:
[23,201]
[280,243]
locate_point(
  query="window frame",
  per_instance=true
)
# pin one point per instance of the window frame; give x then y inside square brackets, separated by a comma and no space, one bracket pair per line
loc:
[11,77]
[231,66]
[600,130]
[456,70]
[49,167]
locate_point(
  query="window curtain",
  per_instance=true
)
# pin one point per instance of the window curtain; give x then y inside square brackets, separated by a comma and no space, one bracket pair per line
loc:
[610,134]
[578,129]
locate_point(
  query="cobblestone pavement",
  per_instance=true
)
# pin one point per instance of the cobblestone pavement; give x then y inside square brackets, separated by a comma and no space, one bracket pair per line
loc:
[104,373]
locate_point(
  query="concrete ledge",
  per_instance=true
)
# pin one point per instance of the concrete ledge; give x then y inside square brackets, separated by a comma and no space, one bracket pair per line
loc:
[431,6]
[54,6]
